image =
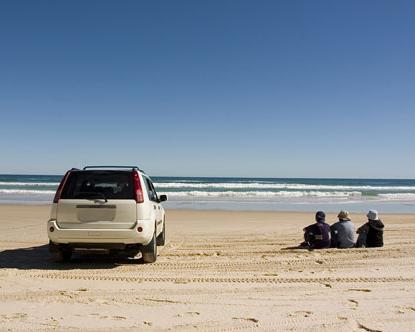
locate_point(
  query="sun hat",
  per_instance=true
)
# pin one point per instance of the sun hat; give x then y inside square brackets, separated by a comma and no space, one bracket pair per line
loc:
[320,216]
[372,215]
[343,214]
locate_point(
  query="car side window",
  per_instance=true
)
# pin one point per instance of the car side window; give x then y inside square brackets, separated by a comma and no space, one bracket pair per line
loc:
[154,191]
[152,195]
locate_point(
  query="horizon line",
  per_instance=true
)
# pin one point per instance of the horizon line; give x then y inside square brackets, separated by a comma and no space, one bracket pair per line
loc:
[240,177]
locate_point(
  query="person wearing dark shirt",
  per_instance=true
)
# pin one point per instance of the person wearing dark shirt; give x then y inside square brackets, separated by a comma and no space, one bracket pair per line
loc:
[317,236]
[371,233]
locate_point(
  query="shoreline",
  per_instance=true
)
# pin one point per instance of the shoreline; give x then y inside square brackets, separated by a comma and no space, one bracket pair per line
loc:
[201,210]
[354,208]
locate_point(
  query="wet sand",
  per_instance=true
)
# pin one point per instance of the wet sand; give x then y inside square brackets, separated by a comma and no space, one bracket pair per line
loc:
[220,270]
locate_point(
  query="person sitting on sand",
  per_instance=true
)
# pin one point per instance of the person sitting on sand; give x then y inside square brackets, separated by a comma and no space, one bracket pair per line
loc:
[371,233]
[317,236]
[343,232]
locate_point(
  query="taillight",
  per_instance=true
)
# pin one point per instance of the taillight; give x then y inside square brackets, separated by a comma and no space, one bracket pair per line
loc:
[60,187]
[138,190]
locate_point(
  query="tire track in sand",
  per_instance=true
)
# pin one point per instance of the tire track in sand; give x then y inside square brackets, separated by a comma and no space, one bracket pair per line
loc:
[241,280]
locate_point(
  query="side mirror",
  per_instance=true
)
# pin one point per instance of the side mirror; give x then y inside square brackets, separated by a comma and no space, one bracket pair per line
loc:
[163,198]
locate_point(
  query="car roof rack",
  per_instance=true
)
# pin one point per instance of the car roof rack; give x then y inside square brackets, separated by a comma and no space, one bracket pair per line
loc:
[106,166]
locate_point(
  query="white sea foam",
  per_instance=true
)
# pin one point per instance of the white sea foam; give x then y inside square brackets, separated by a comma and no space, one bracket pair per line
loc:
[290,186]
[242,185]
[26,191]
[398,196]
[27,184]
[264,194]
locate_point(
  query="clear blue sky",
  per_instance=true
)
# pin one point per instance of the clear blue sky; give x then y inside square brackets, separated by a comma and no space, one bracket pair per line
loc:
[209,88]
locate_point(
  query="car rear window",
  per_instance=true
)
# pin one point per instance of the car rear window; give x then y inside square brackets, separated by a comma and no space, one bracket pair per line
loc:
[103,184]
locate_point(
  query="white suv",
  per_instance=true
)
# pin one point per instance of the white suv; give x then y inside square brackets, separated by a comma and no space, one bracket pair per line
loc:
[115,208]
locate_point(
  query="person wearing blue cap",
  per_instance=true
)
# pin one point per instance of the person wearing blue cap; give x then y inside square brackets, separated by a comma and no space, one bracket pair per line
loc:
[317,236]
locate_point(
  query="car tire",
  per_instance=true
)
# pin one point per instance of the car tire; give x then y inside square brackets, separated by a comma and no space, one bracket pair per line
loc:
[149,251]
[63,255]
[161,239]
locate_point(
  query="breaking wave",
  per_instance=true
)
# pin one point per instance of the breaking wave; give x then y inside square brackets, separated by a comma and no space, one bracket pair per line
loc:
[289,186]
[28,184]
[27,192]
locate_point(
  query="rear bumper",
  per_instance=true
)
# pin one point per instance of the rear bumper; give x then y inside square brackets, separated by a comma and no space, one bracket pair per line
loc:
[56,247]
[99,238]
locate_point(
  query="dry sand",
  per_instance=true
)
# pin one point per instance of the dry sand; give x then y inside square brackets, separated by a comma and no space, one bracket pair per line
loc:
[218,271]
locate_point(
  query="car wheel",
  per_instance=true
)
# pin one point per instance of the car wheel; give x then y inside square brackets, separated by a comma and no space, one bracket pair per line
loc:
[149,251]
[161,239]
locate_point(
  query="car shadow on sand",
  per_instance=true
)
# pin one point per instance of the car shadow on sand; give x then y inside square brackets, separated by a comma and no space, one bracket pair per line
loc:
[39,258]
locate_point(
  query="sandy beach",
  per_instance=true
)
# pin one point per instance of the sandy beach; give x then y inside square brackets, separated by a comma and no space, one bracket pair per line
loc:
[220,270]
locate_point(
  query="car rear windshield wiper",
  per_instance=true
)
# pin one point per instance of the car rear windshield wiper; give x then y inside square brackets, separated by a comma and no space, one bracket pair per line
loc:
[91,193]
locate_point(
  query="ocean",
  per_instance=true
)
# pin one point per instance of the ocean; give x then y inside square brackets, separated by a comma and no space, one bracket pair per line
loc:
[274,194]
